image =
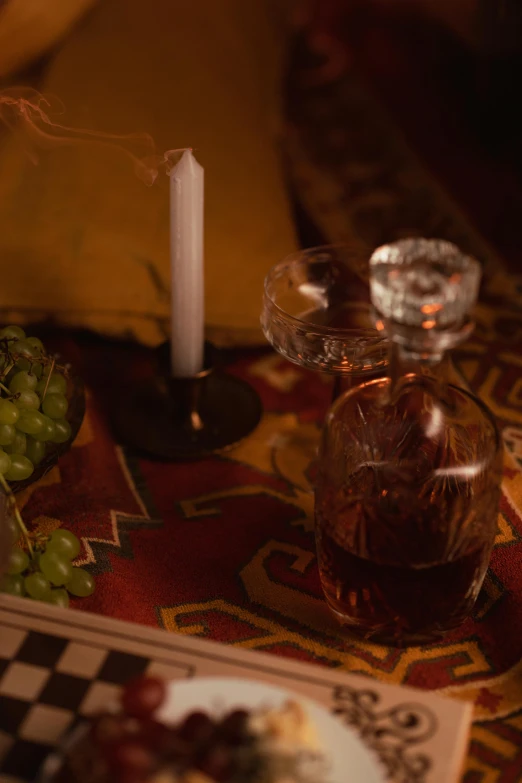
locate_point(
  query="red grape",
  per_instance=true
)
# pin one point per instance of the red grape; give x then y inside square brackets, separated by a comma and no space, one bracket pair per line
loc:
[107,729]
[216,763]
[197,727]
[234,728]
[131,756]
[162,739]
[142,696]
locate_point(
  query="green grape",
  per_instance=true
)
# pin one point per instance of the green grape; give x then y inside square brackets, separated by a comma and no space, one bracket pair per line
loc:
[10,332]
[27,399]
[24,348]
[18,446]
[47,369]
[48,431]
[18,561]
[35,451]
[37,586]
[21,468]
[36,343]
[14,585]
[81,584]
[31,422]
[55,405]
[64,542]
[56,568]
[57,384]
[59,597]
[9,413]
[62,431]
[7,434]
[5,462]
[28,354]
[14,532]
[37,369]
[23,380]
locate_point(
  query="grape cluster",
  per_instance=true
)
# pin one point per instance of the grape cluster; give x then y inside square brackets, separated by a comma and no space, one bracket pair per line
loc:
[47,573]
[33,404]
[132,746]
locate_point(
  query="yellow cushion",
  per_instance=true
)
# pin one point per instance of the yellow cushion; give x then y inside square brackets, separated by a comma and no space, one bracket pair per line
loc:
[29,27]
[82,238]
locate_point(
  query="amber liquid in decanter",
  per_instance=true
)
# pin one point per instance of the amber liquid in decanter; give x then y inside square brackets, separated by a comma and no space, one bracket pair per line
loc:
[404,539]
[407,493]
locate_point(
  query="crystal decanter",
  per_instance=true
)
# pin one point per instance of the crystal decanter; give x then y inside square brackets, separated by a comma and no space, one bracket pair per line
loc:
[410,465]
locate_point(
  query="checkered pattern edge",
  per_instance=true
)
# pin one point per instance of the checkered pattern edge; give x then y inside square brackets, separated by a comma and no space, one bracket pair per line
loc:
[47,684]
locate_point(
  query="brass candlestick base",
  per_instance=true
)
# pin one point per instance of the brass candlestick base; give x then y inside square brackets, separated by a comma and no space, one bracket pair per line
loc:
[178,419]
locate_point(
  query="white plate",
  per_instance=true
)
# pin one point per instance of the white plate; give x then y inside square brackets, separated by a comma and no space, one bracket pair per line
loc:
[348,759]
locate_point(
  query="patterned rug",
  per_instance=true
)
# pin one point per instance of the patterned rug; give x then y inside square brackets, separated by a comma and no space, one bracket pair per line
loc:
[224,548]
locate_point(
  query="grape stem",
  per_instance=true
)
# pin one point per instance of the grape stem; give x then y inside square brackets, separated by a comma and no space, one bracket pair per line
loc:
[4,388]
[7,371]
[43,360]
[48,378]
[16,513]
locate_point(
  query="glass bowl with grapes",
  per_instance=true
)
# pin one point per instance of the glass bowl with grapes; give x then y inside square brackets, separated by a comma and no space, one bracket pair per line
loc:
[42,405]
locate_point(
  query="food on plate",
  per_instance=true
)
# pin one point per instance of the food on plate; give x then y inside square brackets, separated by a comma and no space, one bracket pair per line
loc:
[131,745]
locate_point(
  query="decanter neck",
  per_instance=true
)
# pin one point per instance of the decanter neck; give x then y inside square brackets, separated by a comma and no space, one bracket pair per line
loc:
[409,360]
[406,364]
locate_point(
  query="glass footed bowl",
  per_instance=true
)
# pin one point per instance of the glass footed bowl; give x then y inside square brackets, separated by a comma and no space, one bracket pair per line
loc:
[317,313]
[75,394]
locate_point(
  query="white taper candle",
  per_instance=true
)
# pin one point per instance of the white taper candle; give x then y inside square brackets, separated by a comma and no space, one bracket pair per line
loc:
[186,259]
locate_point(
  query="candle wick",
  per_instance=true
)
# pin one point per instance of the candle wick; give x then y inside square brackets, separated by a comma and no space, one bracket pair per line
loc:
[171,157]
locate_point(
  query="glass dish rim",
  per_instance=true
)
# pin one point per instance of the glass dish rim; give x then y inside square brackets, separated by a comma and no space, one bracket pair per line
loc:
[294,259]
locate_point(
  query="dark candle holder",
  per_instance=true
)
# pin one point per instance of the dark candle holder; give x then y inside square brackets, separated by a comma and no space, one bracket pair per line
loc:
[178,419]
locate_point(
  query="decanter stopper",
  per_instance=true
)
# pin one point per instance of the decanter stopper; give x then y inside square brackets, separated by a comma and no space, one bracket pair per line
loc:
[426,283]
